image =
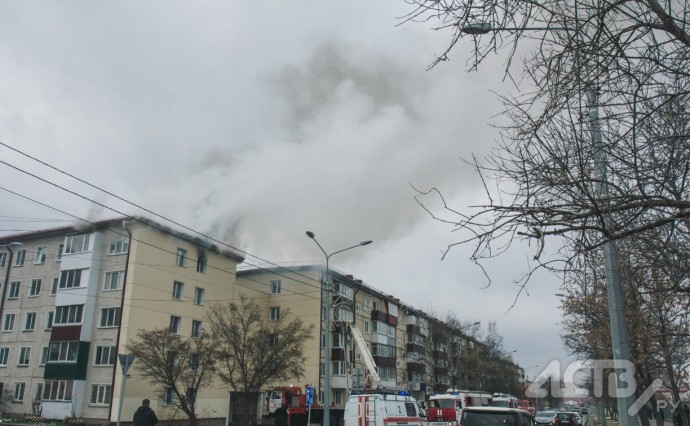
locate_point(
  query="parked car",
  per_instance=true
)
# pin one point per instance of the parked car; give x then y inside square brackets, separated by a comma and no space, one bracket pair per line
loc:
[565,418]
[544,417]
[495,416]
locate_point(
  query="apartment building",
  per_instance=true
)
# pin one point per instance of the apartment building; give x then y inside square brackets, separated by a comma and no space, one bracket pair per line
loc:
[74,297]
[398,336]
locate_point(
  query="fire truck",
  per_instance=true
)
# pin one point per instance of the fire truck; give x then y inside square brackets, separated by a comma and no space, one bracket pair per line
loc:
[303,407]
[444,409]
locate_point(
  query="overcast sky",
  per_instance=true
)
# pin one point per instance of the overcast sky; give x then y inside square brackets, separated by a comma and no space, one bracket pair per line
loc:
[257,121]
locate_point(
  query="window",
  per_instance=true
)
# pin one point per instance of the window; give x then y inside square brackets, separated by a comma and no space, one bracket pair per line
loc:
[366,326]
[3,259]
[194,362]
[175,323]
[110,317]
[70,278]
[191,395]
[105,355]
[337,397]
[173,360]
[337,341]
[24,356]
[30,321]
[272,339]
[58,390]
[114,280]
[168,396]
[201,263]
[375,306]
[119,245]
[274,313]
[19,388]
[275,286]
[44,358]
[181,259]
[198,296]
[49,320]
[322,368]
[40,255]
[338,368]
[35,289]
[19,257]
[63,351]
[68,314]
[178,288]
[58,252]
[77,243]
[196,328]
[14,290]
[100,394]
[8,324]
[54,286]
[4,355]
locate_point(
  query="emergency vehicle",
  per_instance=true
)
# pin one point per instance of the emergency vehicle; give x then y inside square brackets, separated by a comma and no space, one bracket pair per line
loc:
[444,409]
[504,400]
[382,407]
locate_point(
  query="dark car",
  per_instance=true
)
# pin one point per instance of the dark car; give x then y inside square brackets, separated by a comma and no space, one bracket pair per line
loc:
[495,416]
[564,419]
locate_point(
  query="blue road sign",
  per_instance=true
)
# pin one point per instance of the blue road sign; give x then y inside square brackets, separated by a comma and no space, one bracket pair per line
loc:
[310,396]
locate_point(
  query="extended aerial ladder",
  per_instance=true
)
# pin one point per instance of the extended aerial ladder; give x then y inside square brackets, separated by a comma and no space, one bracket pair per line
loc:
[368,359]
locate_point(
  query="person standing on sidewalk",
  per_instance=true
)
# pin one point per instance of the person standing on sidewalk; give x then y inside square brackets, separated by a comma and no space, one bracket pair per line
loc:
[145,416]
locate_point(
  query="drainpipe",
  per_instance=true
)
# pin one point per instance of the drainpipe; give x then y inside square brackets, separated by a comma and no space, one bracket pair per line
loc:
[125,225]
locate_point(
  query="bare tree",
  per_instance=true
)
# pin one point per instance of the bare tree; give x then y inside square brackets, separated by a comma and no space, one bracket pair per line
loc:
[615,69]
[179,367]
[252,351]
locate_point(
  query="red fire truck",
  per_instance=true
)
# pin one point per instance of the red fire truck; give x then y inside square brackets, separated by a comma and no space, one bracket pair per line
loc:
[445,408]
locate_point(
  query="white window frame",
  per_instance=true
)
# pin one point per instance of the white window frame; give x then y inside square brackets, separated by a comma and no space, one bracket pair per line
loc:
[19,390]
[119,245]
[35,289]
[24,356]
[104,356]
[3,259]
[68,314]
[59,251]
[58,390]
[19,257]
[15,286]
[199,295]
[178,290]
[175,324]
[196,328]
[168,396]
[338,368]
[101,394]
[62,352]
[70,278]
[4,355]
[44,357]
[77,243]
[41,254]
[29,321]
[8,323]
[181,258]
[274,313]
[276,286]
[202,263]
[110,317]
[55,283]
[117,276]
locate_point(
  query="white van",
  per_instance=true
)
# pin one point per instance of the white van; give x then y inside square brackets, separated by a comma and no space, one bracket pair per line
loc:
[378,407]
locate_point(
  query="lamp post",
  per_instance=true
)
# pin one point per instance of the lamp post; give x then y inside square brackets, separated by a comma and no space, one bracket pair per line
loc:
[325,289]
[616,307]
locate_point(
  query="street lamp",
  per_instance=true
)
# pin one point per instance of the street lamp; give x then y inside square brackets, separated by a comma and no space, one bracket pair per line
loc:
[616,309]
[327,338]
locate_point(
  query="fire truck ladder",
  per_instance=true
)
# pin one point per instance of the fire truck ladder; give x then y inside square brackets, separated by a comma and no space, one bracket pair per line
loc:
[364,350]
